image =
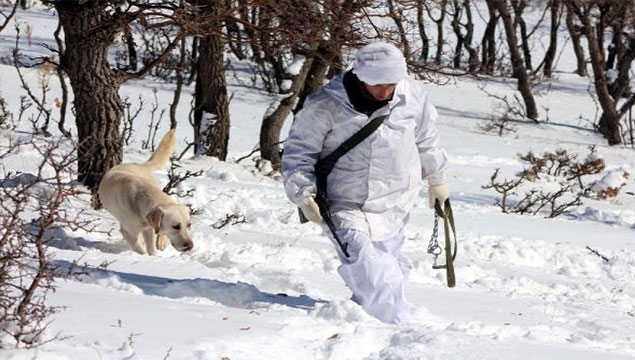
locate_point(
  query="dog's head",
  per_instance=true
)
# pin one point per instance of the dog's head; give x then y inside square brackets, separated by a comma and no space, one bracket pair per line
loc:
[173,221]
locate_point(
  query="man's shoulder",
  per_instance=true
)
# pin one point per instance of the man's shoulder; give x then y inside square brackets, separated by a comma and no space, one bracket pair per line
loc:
[415,86]
[332,92]
[414,90]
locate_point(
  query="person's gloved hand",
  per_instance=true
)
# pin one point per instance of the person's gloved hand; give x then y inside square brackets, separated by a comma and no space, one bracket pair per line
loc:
[438,192]
[311,210]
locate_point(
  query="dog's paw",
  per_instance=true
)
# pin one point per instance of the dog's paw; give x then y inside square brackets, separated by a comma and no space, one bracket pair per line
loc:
[162,242]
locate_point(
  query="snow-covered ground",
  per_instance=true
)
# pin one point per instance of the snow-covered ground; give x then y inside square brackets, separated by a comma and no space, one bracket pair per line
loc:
[267,288]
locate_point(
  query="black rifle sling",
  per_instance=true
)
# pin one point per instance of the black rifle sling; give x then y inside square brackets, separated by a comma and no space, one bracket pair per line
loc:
[324,166]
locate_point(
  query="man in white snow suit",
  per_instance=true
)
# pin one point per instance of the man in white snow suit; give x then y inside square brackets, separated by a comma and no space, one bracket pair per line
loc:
[372,187]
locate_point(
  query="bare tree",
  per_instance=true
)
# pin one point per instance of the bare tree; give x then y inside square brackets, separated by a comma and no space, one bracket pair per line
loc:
[464,40]
[519,70]
[32,213]
[425,41]
[441,6]
[211,114]
[488,44]
[550,55]
[576,32]
[317,49]
[519,8]
[595,17]
[396,14]
[90,28]
[8,16]
[63,104]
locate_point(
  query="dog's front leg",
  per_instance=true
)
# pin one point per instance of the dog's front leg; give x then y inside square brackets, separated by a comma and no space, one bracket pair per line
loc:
[133,241]
[162,242]
[150,239]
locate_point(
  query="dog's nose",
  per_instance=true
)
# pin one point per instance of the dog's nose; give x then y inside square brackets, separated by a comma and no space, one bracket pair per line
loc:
[188,246]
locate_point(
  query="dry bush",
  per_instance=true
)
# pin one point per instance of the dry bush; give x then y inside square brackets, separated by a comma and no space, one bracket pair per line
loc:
[6,117]
[32,212]
[175,178]
[560,163]
[609,190]
[559,168]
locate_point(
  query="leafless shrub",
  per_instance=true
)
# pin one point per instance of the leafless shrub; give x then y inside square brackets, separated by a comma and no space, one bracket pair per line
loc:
[7,12]
[506,111]
[32,208]
[129,117]
[597,253]
[500,124]
[8,120]
[561,169]
[175,178]
[6,117]
[535,200]
[153,127]
[45,69]
[609,191]
[229,219]
[153,43]
[563,164]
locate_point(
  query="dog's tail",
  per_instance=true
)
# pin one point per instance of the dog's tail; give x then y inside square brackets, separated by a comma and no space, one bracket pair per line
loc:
[164,150]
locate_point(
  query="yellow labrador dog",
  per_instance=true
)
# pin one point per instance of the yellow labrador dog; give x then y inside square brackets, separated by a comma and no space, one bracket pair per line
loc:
[134,197]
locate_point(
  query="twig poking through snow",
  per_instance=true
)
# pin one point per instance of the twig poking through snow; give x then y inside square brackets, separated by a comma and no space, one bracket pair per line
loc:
[595,252]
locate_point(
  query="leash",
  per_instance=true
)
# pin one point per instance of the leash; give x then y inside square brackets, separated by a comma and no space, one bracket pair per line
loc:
[435,249]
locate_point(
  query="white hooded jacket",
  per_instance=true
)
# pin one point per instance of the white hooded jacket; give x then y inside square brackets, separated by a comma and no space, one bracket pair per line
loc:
[373,186]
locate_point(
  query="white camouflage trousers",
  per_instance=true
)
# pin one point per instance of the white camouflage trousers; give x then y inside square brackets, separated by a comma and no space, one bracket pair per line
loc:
[375,272]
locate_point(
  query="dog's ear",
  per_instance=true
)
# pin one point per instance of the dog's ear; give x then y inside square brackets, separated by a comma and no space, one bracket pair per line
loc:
[154,218]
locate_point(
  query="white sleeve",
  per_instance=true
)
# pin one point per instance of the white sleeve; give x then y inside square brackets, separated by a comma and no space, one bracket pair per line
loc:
[301,151]
[433,157]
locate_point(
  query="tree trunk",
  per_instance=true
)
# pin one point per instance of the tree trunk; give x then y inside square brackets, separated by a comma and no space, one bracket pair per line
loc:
[327,60]
[456,27]
[316,75]
[489,40]
[211,114]
[88,32]
[550,55]
[575,40]
[61,76]
[440,38]
[621,86]
[397,17]
[609,121]
[520,72]
[469,35]
[340,31]
[272,123]
[179,85]
[193,61]
[519,8]
[132,51]
[234,34]
[425,41]
[612,55]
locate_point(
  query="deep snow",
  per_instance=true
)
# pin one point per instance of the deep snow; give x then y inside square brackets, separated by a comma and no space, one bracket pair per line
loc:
[527,287]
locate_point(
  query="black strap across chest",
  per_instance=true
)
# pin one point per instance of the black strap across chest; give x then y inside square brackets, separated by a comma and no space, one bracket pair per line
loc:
[324,166]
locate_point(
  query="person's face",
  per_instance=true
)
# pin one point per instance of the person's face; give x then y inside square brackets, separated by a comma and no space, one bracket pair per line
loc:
[381,92]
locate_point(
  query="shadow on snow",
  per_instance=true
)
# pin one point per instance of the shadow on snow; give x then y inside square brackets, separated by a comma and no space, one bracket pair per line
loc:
[237,295]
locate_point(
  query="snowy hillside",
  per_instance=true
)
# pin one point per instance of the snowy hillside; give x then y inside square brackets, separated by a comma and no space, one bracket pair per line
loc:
[266,286]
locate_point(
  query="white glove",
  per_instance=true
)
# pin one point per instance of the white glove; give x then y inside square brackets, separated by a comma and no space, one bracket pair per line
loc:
[311,211]
[438,192]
